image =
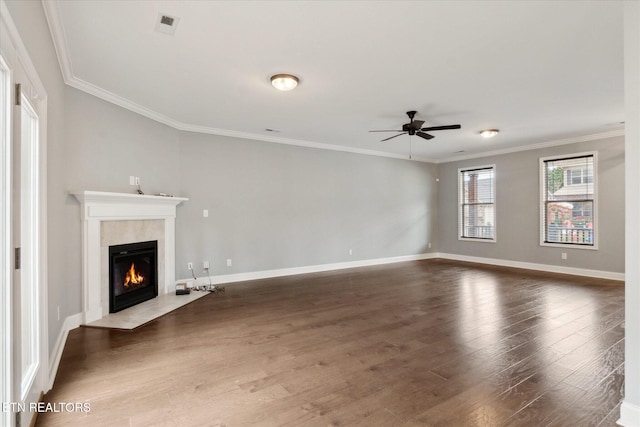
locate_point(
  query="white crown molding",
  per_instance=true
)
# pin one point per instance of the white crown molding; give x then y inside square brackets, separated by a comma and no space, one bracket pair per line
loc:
[161,118]
[297,142]
[545,144]
[52,13]
[105,95]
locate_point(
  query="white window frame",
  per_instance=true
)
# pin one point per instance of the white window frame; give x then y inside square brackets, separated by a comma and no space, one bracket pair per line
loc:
[542,225]
[461,200]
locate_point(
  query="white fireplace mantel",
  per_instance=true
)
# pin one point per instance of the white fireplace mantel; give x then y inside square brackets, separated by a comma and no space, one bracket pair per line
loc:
[98,206]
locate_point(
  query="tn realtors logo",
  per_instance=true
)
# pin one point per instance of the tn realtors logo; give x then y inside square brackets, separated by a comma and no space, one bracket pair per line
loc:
[46,407]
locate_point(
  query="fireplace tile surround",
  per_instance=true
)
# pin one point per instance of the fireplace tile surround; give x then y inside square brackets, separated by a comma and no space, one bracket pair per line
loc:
[117,218]
[128,231]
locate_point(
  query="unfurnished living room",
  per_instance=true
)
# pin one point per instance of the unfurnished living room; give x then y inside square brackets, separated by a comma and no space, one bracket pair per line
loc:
[320,213]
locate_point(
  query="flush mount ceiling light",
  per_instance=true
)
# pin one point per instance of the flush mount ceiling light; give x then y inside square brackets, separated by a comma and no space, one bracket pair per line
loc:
[284,82]
[488,133]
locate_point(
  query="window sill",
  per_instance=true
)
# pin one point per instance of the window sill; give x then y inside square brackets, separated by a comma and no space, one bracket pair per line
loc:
[472,239]
[570,246]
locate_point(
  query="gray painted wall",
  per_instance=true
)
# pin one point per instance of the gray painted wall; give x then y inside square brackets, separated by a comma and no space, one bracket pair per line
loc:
[518,211]
[277,206]
[270,205]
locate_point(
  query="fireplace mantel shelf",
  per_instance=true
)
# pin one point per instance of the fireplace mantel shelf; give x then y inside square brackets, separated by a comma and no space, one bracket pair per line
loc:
[121,206]
[106,197]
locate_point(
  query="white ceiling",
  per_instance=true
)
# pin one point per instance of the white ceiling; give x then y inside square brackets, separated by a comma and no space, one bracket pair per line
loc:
[540,71]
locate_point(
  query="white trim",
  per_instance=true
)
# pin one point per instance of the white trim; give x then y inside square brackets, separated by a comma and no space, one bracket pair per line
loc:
[537,146]
[477,239]
[59,37]
[629,415]
[161,118]
[460,200]
[630,408]
[6,272]
[600,274]
[541,225]
[266,274]
[71,322]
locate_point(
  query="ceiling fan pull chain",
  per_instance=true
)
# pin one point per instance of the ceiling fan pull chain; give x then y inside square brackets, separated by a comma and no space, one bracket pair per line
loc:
[410,146]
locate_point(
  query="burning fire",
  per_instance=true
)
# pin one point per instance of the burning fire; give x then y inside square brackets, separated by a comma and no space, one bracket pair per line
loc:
[133,277]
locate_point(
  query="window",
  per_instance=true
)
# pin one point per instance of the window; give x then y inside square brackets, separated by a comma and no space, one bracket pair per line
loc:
[578,176]
[568,200]
[476,193]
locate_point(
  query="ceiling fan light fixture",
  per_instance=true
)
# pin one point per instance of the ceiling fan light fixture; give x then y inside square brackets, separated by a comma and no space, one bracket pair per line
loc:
[284,82]
[489,133]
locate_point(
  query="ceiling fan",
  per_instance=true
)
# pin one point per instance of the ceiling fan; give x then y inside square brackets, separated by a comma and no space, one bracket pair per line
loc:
[414,127]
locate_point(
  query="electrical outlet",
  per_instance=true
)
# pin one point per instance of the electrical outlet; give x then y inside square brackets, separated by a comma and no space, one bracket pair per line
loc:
[190,265]
[229,262]
[205,265]
[132,180]
[564,255]
[205,213]
[350,251]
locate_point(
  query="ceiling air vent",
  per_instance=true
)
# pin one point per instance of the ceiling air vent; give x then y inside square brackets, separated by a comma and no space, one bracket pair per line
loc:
[166,24]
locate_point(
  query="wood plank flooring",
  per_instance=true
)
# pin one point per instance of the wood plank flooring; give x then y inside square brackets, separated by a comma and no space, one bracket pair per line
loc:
[425,343]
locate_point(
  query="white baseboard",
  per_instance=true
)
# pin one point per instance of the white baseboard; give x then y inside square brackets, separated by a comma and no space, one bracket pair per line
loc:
[266,274]
[70,323]
[533,266]
[629,415]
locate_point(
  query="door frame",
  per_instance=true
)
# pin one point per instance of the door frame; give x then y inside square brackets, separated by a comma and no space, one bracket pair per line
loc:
[15,57]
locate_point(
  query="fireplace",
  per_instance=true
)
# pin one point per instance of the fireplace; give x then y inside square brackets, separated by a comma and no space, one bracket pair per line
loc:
[133,274]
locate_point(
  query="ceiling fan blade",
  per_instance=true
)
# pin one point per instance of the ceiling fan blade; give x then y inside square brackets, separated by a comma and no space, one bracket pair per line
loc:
[386,139]
[416,124]
[441,127]
[395,130]
[424,135]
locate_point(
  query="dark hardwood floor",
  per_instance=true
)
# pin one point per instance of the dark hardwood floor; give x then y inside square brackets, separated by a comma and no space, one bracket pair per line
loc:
[426,343]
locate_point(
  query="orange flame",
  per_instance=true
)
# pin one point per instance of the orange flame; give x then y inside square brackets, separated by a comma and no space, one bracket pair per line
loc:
[133,277]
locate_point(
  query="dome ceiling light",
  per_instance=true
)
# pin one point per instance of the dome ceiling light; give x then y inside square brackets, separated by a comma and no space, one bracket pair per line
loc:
[489,133]
[284,82]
